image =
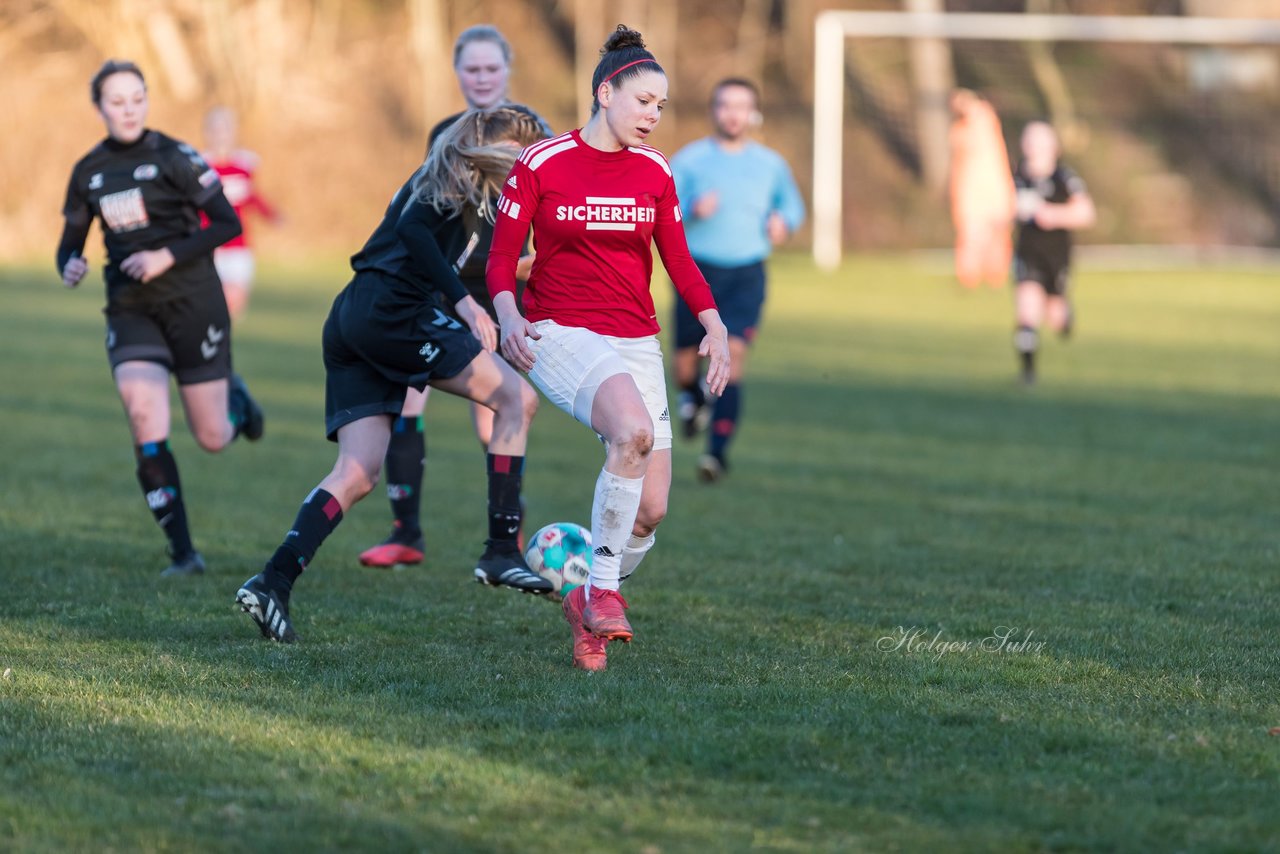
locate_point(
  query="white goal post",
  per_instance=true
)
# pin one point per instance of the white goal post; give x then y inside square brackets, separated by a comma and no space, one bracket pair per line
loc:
[833,28]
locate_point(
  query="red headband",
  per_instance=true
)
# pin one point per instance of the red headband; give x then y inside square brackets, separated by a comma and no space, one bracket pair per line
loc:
[625,67]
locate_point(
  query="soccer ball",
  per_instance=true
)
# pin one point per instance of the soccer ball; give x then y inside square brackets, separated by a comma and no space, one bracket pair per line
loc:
[561,553]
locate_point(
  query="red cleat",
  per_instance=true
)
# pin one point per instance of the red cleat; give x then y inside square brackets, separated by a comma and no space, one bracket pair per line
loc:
[391,553]
[588,650]
[604,615]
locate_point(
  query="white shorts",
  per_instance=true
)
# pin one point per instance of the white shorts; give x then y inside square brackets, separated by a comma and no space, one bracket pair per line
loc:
[234,265]
[572,362]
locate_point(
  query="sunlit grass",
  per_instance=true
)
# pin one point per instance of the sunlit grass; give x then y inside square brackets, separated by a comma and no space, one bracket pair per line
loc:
[890,476]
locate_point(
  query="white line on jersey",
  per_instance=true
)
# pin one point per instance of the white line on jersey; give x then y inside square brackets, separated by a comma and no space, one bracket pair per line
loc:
[508,207]
[653,154]
[531,150]
[546,154]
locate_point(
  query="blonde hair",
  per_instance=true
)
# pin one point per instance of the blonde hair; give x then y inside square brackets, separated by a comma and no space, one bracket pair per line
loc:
[470,160]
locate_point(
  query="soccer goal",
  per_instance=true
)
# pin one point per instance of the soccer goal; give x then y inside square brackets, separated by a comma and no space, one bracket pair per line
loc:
[1176,52]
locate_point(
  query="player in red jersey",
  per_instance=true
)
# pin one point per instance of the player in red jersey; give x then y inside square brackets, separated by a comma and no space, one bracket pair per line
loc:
[596,198]
[235,166]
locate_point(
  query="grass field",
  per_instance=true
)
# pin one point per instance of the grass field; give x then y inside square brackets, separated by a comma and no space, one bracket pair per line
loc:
[810,671]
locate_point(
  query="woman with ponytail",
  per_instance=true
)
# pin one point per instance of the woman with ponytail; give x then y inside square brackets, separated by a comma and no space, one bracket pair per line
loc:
[598,198]
[406,321]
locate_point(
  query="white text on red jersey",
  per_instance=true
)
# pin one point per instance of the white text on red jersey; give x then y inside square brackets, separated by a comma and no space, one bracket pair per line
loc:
[606,213]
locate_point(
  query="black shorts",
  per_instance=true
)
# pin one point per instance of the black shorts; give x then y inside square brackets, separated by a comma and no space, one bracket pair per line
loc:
[379,341]
[190,335]
[739,296]
[1051,274]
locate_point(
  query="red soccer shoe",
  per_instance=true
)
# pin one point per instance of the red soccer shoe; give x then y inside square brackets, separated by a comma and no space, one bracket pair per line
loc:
[588,650]
[605,615]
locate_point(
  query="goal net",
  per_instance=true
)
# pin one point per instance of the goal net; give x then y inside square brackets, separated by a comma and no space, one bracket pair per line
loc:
[1171,121]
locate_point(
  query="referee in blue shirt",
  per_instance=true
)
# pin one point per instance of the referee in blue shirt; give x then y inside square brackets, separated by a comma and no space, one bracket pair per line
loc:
[738,200]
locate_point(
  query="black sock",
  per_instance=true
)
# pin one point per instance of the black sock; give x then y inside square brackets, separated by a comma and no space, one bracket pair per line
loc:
[158,477]
[724,420]
[317,518]
[505,476]
[1026,340]
[406,461]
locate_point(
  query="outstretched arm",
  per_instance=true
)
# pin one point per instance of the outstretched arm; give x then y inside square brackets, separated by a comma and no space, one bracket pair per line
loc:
[694,290]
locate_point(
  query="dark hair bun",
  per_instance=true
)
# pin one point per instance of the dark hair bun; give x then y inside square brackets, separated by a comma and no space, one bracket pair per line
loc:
[623,38]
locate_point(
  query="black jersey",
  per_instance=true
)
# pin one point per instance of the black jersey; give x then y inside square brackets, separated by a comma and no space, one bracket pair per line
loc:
[419,247]
[1051,245]
[147,195]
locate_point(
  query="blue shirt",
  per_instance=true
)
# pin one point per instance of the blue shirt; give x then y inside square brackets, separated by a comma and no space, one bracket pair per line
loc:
[751,184]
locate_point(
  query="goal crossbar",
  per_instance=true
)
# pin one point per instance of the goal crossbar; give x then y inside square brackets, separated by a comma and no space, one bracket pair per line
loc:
[833,28]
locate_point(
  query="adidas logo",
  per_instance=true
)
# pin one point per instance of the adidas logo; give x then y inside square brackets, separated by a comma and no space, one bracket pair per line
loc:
[275,618]
[603,551]
[665,416]
[511,182]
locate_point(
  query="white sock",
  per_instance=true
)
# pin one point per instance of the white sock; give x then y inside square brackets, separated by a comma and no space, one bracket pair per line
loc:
[637,548]
[613,513]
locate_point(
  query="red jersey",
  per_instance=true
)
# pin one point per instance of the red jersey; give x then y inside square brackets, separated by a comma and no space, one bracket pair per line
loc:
[236,173]
[594,214]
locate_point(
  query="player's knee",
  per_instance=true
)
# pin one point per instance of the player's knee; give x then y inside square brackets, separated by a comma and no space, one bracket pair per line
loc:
[528,402]
[649,517]
[637,438]
[212,437]
[516,396]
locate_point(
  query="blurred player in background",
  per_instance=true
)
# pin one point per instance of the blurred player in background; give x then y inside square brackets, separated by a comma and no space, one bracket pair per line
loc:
[598,199]
[165,311]
[739,201]
[405,320]
[236,168]
[1052,203]
[981,192]
[482,64]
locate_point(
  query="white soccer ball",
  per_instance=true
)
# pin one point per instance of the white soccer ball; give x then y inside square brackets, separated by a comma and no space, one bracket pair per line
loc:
[561,553]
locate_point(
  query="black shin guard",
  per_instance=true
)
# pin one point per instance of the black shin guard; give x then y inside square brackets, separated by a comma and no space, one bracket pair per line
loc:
[161,486]
[405,465]
[317,518]
[505,480]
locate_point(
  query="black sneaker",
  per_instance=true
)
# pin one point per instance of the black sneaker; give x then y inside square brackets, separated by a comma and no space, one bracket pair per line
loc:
[191,564]
[504,566]
[269,608]
[249,419]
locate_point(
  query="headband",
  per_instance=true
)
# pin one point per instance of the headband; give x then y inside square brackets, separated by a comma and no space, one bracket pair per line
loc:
[625,67]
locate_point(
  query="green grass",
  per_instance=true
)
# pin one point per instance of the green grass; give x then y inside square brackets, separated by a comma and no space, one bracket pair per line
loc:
[889,474]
